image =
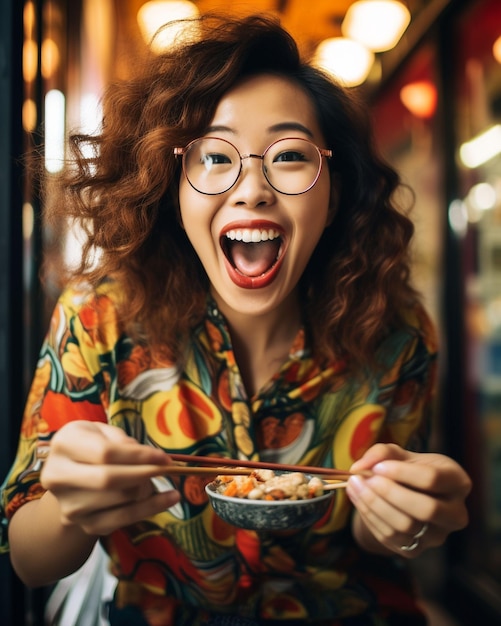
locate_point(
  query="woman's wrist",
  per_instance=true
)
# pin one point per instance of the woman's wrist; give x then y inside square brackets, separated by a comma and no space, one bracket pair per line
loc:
[44,550]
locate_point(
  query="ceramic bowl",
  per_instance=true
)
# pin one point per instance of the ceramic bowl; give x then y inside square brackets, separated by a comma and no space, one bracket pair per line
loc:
[266,515]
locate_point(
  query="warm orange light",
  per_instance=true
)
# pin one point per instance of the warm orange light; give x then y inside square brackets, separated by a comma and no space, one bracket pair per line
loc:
[496,49]
[29,115]
[420,98]
[154,16]
[30,60]
[28,220]
[50,58]
[29,19]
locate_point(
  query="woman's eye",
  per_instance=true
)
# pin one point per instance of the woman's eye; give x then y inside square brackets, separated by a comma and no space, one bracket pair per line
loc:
[290,155]
[215,159]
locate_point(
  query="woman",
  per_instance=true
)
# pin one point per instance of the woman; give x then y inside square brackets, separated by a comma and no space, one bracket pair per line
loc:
[251,300]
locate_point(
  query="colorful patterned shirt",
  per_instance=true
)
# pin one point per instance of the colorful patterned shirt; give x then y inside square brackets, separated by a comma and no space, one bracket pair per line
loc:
[185,564]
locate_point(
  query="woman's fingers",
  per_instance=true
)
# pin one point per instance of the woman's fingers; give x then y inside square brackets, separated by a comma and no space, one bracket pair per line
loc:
[379,505]
[105,521]
[102,478]
[431,473]
[394,528]
[96,477]
[436,473]
[410,501]
[96,443]
[96,497]
[405,509]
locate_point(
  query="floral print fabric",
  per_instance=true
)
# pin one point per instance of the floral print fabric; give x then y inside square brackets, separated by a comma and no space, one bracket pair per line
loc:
[185,564]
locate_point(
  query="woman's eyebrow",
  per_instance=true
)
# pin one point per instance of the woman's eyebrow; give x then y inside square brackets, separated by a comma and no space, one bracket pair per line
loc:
[219,128]
[276,128]
[291,126]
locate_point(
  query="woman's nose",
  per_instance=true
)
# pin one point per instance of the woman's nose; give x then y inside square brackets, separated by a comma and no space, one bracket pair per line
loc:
[252,187]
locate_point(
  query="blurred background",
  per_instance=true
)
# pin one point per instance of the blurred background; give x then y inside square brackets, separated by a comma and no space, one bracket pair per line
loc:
[433,82]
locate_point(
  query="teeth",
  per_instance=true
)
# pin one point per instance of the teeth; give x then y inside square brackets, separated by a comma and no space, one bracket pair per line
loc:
[252,235]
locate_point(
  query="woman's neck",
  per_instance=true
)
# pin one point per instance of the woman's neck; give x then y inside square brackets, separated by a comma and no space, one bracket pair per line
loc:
[261,344]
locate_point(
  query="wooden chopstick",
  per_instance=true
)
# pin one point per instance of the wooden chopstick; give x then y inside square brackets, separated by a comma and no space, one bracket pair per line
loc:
[217,470]
[187,470]
[253,465]
[180,470]
[328,486]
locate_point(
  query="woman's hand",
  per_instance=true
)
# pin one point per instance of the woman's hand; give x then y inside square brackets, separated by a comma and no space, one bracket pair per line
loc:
[101,477]
[411,501]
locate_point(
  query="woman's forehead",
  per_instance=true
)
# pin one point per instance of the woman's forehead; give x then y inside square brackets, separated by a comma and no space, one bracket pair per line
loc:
[269,104]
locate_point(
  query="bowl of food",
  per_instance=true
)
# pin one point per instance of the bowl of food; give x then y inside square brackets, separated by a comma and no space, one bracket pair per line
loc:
[269,500]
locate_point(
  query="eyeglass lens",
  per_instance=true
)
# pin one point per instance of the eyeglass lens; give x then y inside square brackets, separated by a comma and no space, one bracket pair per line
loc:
[291,166]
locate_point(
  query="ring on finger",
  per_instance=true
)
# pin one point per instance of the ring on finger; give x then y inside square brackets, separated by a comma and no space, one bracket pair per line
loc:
[421,532]
[415,540]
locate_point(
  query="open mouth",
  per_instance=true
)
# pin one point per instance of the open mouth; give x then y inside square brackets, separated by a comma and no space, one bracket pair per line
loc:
[253,254]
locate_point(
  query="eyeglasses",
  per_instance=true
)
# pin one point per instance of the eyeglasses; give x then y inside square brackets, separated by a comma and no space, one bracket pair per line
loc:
[213,165]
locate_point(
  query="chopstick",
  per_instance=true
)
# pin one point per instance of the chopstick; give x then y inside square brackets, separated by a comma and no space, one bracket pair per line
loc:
[180,470]
[253,465]
[185,470]
[339,484]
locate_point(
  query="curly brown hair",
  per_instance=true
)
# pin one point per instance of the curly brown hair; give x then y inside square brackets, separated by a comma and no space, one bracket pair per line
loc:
[357,281]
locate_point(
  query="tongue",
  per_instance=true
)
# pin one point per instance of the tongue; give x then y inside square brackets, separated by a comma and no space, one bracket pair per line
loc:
[254,259]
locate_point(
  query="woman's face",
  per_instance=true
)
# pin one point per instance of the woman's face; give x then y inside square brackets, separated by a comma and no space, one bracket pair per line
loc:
[260,275]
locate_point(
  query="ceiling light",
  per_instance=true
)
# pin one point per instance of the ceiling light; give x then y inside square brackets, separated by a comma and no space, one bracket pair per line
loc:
[378,24]
[348,60]
[481,148]
[153,16]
